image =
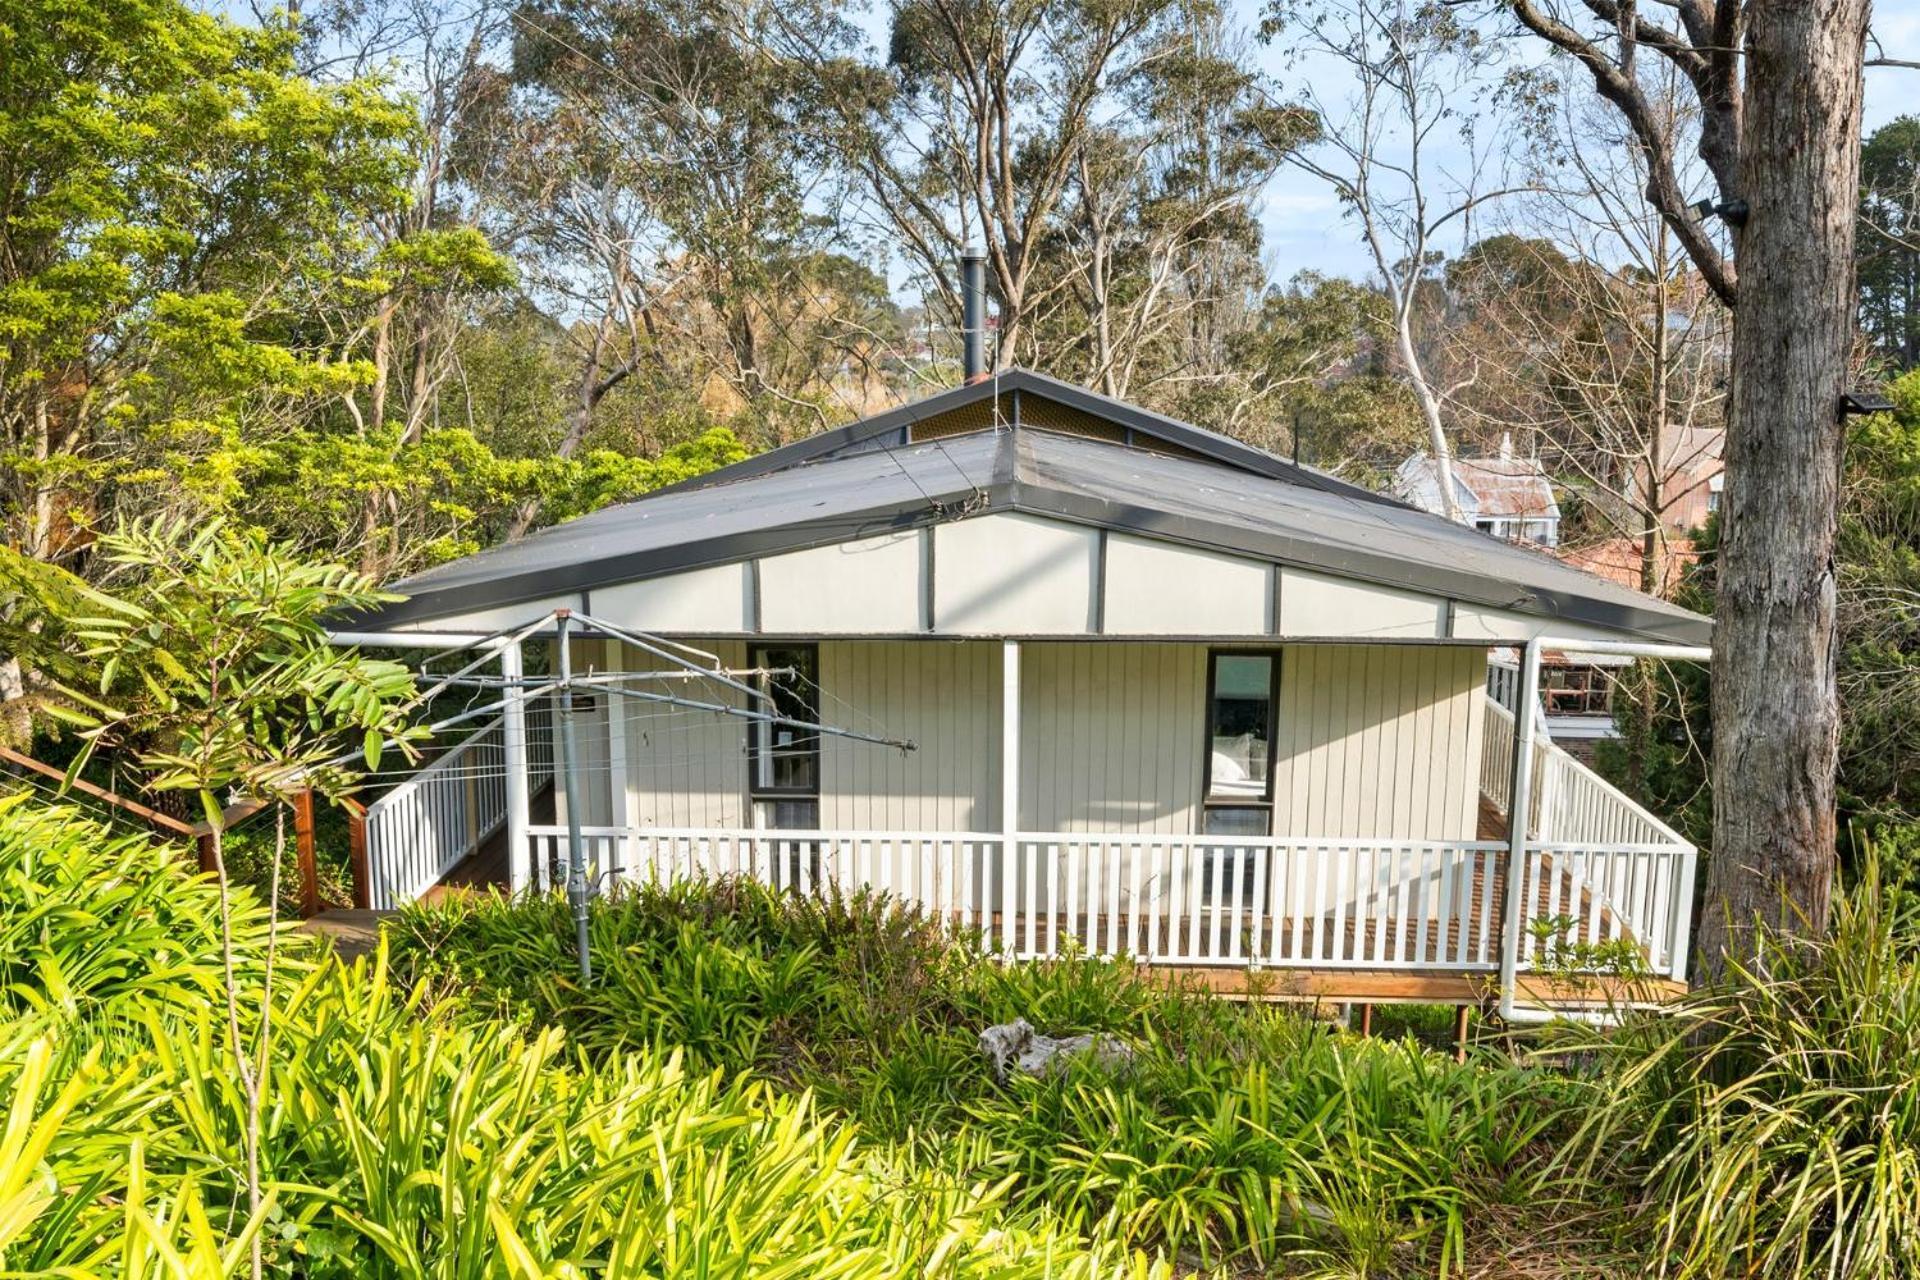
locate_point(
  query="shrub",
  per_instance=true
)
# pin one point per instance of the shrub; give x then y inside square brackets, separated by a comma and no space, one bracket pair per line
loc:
[1773,1122]
[409,1133]
[96,928]
[1242,1133]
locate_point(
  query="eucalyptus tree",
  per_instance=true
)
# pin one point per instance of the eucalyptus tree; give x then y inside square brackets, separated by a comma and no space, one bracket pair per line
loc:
[1314,377]
[1582,329]
[1097,153]
[660,169]
[1158,238]
[1777,88]
[1403,151]
[1890,242]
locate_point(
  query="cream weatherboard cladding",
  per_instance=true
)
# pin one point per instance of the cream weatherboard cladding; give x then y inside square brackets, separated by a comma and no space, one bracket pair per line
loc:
[1379,740]
[1371,740]
[1015,575]
[1110,736]
[867,585]
[1009,574]
[944,696]
[684,768]
[1158,588]
[718,598]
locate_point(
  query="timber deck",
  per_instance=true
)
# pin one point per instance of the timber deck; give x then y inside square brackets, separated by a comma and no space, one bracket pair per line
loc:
[486,867]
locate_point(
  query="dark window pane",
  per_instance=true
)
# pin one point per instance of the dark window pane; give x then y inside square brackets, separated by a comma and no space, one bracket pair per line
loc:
[786,757]
[1249,820]
[1576,691]
[1228,870]
[790,815]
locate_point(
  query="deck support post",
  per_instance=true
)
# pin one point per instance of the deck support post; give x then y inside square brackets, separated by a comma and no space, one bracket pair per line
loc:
[303,860]
[1009,792]
[513,743]
[357,870]
[1519,814]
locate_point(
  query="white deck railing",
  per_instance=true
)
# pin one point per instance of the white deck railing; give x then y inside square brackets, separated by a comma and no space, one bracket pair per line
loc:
[1600,866]
[1191,900]
[1571,802]
[426,826]
[1598,871]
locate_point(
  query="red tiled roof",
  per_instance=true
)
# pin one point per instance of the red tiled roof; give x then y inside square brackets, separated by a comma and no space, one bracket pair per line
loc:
[1619,560]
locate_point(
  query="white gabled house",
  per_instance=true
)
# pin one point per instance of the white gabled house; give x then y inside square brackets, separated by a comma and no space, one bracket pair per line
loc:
[1169,696]
[1505,496]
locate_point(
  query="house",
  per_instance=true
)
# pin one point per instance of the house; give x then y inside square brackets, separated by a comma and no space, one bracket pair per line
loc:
[1692,476]
[1505,496]
[1064,671]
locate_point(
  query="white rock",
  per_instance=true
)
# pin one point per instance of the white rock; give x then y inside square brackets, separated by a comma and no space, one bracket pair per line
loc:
[1016,1046]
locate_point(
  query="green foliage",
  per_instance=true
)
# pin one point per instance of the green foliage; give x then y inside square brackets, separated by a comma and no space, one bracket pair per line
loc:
[1774,1122]
[408,1136]
[100,930]
[447,493]
[830,1112]
[214,656]
[1338,410]
[1877,667]
[176,196]
[1240,1134]
[1889,262]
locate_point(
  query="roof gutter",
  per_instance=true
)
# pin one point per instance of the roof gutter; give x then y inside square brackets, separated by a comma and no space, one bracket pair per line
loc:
[416,639]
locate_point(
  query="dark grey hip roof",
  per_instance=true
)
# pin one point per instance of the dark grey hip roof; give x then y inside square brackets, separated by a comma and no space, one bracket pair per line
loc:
[1276,513]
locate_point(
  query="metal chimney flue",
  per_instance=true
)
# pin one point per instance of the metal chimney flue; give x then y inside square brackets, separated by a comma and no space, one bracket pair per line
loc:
[973,314]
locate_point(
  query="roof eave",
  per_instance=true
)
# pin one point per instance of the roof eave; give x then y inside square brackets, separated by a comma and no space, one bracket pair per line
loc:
[1010,493]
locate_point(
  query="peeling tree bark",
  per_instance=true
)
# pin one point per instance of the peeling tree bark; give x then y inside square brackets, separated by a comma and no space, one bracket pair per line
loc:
[1775,712]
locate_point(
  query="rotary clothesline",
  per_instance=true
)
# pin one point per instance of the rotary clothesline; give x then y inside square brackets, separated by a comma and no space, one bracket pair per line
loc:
[518,689]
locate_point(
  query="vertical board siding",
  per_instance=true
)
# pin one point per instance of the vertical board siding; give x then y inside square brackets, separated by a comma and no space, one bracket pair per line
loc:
[1372,740]
[686,768]
[942,695]
[1110,736]
[1379,740]
[595,766]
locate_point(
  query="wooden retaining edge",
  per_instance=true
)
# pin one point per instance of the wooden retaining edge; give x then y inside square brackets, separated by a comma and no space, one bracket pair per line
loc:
[1372,986]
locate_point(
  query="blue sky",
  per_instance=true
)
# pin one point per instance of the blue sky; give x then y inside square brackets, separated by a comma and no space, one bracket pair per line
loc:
[1303,223]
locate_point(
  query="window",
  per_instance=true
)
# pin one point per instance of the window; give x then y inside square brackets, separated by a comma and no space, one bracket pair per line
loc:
[783,760]
[1577,690]
[1239,782]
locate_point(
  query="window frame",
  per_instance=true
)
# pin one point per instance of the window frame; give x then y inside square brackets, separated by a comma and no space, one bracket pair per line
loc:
[760,732]
[1265,801]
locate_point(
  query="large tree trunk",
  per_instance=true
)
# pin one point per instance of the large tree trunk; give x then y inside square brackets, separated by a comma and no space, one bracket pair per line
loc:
[1775,714]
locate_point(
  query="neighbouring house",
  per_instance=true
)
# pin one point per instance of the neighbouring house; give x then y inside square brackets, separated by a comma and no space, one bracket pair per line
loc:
[1692,476]
[1577,688]
[1576,694]
[1506,496]
[1168,696]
